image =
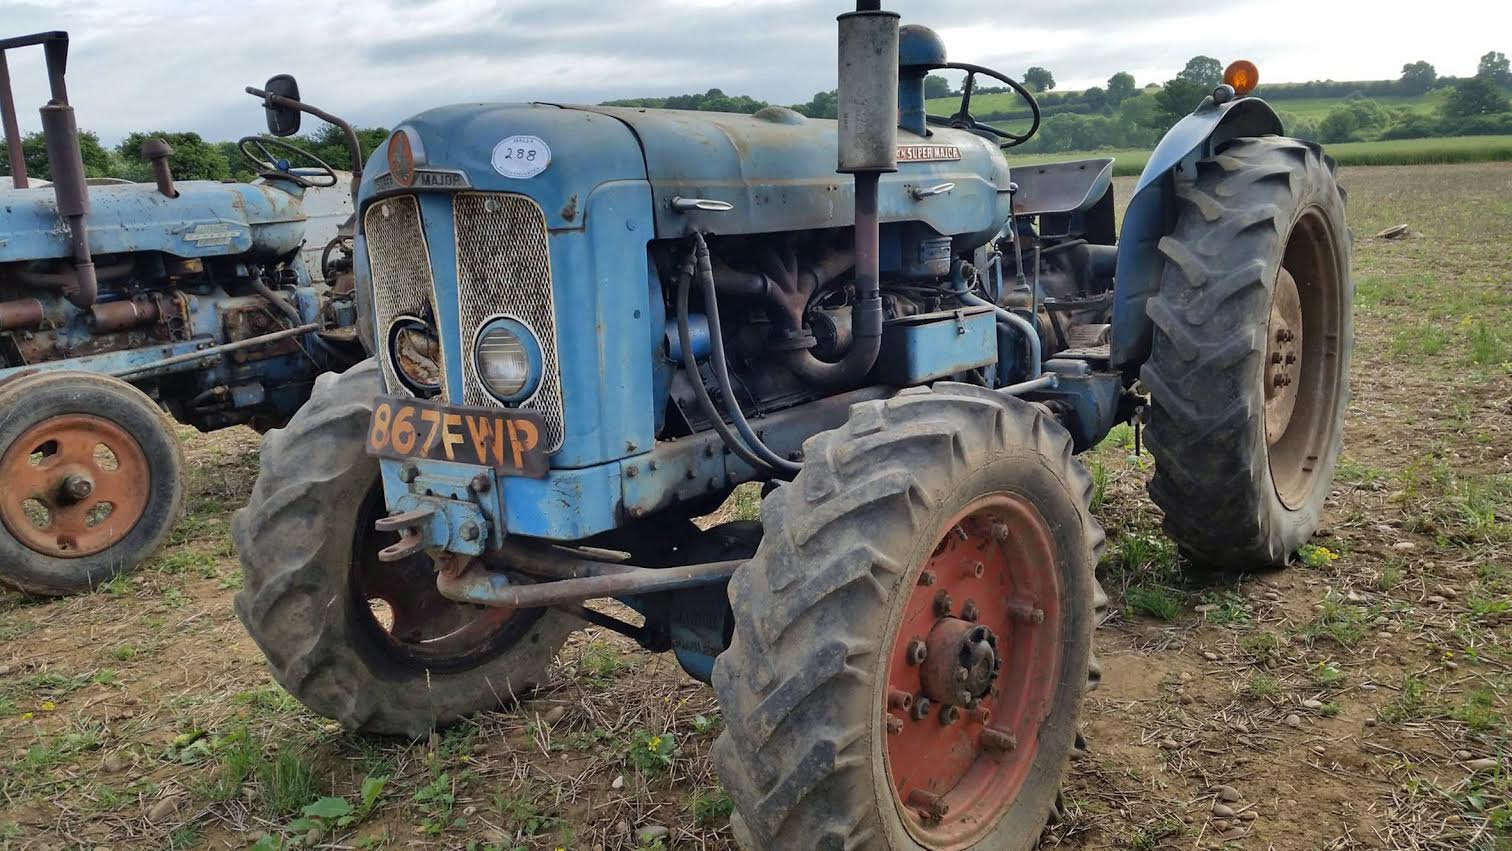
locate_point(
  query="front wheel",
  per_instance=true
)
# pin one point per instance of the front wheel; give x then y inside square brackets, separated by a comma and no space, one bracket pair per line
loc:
[913,638]
[1249,368]
[369,643]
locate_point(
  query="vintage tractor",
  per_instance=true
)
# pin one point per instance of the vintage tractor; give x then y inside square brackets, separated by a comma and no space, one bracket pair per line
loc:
[591,323]
[120,300]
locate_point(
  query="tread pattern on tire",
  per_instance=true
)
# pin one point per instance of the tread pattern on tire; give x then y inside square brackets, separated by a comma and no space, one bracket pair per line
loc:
[1205,371]
[808,606]
[315,472]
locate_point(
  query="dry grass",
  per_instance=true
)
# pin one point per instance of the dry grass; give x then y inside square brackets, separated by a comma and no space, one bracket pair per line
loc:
[1394,659]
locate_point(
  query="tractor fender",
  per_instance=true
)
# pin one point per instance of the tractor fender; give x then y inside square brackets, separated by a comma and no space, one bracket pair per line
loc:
[1151,211]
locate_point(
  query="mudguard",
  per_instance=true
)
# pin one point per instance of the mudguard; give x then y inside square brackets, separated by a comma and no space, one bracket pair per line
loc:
[1152,209]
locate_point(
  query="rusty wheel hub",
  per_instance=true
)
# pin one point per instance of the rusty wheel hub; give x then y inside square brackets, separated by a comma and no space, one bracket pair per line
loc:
[973,671]
[75,485]
[1283,357]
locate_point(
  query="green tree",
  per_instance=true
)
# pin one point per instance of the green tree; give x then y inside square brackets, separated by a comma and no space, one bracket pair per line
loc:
[936,86]
[1418,77]
[97,160]
[1038,79]
[193,158]
[1175,100]
[1096,98]
[1474,96]
[1494,68]
[1121,87]
[821,105]
[1204,71]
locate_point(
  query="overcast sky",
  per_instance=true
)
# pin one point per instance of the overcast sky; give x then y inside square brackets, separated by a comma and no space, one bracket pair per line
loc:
[177,65]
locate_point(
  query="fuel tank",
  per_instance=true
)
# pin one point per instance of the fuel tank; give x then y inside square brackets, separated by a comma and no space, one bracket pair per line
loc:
[207,219]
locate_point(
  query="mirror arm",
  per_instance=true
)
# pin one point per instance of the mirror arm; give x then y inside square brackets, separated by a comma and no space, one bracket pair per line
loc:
[354,145]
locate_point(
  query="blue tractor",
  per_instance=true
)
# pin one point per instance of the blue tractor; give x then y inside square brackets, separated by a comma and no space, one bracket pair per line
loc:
[590,324]
[121,301]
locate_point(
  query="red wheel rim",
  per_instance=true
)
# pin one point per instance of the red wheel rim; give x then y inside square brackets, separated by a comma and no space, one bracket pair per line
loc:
[74,485]
[992,574]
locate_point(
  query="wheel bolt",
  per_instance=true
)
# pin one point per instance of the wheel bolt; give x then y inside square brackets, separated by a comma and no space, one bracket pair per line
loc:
[918,651]
[469,531]
[920,709]
[994,739]
[1025,612]
[894,725]
[927,578]
[963,697]
[899,699]
[942,603]
[961,675]
[969,611]
[949,715]
[932,806]
[1000,532]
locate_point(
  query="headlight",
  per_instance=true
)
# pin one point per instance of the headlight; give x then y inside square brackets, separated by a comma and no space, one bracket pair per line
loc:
[508,360]
[416,353]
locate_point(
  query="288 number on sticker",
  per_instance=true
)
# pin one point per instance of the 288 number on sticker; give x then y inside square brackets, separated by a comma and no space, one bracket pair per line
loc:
[521,156]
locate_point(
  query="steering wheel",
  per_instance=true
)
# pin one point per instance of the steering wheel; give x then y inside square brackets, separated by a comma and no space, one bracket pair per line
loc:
[271,166]
[963,120]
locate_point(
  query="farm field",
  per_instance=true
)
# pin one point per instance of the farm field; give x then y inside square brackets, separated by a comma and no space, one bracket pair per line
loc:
[1454,149]
[1312,108]
[1360,700]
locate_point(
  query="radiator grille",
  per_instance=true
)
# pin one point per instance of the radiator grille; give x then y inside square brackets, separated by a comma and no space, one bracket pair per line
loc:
[504,269]
[402,281]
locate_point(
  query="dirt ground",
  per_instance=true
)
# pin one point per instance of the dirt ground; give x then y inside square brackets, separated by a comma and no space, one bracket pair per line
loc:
[1359,700]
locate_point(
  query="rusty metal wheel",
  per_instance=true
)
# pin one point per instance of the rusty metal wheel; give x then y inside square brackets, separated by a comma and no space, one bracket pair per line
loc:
[913,639]
[966,684]
[92,481]
[1249,366]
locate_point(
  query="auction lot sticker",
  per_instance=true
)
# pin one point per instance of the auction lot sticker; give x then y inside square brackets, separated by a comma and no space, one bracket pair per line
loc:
[521,156]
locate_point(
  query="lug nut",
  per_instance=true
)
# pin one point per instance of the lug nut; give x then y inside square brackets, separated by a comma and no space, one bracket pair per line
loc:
[1026,612]
[963,697]
[469,531]
[969,611]
[918,651]
[894,725]
[899,699]
[942,603]
[920,709]
[927,578]
[994,739]
[77,487]
[1000,531]
[949,715]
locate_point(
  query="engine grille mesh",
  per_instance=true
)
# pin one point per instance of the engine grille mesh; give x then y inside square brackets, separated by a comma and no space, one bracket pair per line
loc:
[504,269]
[402,281]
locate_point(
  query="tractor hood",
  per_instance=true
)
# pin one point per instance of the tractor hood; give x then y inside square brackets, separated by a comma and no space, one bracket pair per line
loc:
[775,168]
[207,219]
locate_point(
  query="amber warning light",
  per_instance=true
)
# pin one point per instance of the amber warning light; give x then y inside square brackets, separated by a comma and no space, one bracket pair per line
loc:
[1242,75]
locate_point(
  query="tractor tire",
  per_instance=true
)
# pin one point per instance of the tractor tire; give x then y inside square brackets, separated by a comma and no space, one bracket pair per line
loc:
[1248,374]
[125,501]
[908,515]
[314,591]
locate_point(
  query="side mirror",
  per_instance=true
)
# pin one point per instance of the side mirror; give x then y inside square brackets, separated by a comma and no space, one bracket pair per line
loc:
[282,120]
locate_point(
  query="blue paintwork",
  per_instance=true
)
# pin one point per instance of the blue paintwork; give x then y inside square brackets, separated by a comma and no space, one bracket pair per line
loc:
[208,219]
[914,351]
[1146,219]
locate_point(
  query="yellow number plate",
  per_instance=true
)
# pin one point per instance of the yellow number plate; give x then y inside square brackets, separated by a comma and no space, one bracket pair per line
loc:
[507,441]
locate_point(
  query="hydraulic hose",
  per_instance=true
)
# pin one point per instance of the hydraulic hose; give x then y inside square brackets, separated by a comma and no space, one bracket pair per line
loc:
[690,365]
[705,272]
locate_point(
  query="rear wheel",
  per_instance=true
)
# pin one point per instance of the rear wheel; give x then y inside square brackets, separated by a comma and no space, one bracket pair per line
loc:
[913,638]
[1249,370]
[369,643]
[91,481]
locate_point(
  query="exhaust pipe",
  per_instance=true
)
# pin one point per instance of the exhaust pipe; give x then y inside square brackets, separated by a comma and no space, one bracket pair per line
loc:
[868,148]
[61,137]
